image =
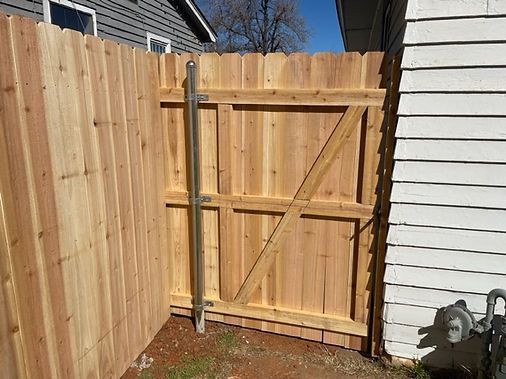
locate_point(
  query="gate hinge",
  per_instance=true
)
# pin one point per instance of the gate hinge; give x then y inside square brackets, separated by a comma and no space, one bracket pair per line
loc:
[206,303]
[198,200]
[197,97]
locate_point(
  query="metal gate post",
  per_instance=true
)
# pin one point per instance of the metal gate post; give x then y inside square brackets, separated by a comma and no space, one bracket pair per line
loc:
[195,199]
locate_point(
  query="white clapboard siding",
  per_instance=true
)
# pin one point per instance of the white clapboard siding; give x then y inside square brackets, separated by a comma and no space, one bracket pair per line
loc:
[408,315]
[466,55]
[447,222]
[473,174]
[426,336]
[440,238]
[451,150]
[461,281]
[476,128]
[441,358]
[452,104]
[448,217]
[407,334]
[467,30]
[435,298]
[426,9]
[447,259]
[421,9]
[447,194]
[496,7]
[476,79]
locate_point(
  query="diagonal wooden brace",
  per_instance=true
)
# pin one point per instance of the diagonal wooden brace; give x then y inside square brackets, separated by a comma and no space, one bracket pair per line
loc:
[342,131]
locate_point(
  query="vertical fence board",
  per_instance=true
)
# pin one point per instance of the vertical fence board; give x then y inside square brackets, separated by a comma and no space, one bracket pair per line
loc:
[126,233]
[132,259]
[16,251]
[253,150]
[231,223]
[345,72]
[76,226]
[109,265]
[210,77]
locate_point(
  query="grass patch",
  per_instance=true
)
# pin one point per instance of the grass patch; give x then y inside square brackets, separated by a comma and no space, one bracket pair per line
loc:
[418,371]
[201,367]
[227,340]
[146,375]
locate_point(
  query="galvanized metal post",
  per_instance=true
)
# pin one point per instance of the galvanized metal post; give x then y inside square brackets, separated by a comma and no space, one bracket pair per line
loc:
[194,195]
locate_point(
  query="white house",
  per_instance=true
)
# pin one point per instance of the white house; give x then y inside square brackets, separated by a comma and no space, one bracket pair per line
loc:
[447,223]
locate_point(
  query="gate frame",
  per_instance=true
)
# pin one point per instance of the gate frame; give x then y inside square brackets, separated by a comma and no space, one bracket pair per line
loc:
[358,102]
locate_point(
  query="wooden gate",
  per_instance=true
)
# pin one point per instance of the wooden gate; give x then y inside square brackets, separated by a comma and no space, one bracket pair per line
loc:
[290,150]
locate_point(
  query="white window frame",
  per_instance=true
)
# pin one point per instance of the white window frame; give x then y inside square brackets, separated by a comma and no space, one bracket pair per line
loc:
[69,4]
[157,37]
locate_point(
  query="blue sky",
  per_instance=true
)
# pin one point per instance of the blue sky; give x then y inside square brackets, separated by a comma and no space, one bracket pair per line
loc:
[321,18]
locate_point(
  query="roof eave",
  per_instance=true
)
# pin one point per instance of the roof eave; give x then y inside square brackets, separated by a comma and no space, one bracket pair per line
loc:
[200,19]
[340,20]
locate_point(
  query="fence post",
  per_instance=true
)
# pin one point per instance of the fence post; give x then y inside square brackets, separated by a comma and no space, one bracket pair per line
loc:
[195,199]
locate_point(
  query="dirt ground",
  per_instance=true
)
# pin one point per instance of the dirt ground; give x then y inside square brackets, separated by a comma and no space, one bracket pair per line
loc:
[177,352]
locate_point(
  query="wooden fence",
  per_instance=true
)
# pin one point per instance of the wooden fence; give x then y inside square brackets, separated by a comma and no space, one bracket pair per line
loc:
[288,234]
[83,257]
[93,175]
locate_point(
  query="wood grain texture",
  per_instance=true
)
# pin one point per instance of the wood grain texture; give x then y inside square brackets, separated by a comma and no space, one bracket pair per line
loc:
[277,205]
[259,157]
[282,96]
[342,132]
[90,253]
[281,315]
[76,231]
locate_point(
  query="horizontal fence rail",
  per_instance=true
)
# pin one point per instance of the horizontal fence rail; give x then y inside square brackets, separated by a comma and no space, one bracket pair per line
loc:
[294,97]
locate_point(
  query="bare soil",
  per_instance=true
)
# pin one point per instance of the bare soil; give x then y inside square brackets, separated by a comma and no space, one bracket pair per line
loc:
[233,352]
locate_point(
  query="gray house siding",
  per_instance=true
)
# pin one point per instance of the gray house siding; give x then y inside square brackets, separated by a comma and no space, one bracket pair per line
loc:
[396,27]
[125,21]
[387,32]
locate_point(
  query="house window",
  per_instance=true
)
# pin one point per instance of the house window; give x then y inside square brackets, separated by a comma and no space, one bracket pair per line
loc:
[158,44]
[69,15]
